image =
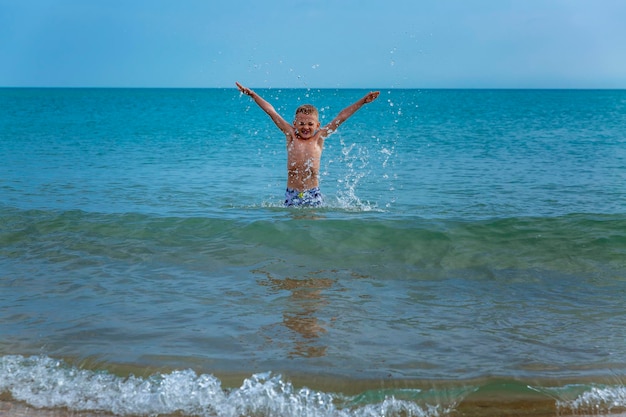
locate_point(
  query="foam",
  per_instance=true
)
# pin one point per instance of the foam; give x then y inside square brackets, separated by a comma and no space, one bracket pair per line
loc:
[596,400]
[43,382]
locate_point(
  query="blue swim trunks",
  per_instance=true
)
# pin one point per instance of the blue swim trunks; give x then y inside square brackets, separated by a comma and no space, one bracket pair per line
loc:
[311,198]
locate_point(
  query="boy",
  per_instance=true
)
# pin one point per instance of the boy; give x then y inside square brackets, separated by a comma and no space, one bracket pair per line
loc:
[305,140]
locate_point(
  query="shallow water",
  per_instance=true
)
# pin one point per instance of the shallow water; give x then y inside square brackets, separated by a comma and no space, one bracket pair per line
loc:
[471,240]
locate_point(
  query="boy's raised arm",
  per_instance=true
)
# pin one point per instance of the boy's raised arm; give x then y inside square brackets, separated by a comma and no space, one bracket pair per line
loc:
[281,123]
[349,111]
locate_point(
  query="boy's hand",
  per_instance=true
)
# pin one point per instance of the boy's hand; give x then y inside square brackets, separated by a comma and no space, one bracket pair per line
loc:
[243,89]
[371,96]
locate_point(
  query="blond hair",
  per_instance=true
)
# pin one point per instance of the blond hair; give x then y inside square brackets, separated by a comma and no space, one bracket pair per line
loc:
[307,109]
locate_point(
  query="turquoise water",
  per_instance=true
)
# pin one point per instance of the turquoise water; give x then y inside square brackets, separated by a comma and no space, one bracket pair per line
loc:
[469,236]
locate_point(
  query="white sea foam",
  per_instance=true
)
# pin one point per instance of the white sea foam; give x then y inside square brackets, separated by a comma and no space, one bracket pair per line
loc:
[43,382]
[597,400]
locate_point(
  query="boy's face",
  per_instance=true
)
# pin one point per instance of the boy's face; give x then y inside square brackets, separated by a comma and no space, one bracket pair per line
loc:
[306,125]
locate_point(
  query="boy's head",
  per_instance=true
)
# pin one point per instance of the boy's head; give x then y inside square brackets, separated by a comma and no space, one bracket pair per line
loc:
[306,121]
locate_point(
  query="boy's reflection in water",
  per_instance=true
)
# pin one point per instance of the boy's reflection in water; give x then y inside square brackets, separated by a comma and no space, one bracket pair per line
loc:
[299,314]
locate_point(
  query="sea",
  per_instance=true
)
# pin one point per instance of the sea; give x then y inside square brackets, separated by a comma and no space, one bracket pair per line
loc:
[469,260]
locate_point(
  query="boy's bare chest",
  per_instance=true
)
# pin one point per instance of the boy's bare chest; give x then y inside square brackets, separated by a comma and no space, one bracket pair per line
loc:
[299,148]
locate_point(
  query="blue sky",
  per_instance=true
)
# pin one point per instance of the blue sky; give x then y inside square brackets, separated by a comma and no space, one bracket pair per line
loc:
[314,43]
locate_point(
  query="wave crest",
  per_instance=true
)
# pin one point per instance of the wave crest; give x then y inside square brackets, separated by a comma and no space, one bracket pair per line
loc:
[43,382]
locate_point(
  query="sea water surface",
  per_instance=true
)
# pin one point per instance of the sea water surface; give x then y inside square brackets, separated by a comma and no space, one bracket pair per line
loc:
[472,245]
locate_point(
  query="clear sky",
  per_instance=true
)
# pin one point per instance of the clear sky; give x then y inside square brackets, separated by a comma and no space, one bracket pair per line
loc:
[314,43]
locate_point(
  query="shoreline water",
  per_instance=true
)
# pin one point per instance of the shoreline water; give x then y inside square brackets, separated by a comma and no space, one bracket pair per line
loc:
[52,388]
[493,399]
[469,408]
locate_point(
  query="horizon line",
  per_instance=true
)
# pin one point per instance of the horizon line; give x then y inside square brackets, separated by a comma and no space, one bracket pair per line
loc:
[309,88]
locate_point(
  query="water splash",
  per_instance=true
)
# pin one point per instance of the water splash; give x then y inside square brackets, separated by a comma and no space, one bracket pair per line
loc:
[356,160]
